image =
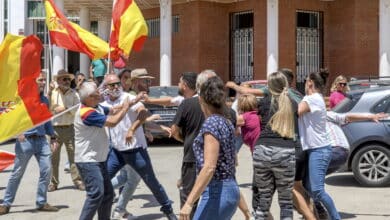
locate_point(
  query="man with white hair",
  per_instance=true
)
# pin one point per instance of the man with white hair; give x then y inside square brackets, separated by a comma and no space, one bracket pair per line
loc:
[92,149]
[186,124]
[129,143]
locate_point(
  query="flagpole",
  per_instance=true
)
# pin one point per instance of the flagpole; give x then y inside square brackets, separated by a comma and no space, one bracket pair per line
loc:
[100,88]
[109,39]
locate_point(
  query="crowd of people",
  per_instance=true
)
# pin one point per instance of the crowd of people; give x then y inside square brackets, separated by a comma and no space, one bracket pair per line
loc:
[295,142]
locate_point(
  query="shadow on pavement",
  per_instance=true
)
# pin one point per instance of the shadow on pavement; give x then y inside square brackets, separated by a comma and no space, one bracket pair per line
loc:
[245,185]
[151,201]
[169,142]
[342,179]
[368,215]
[150,216]
[345,215]
[34,210]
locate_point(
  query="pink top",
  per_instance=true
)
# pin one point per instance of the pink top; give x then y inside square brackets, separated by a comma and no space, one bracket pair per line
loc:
[335,97]
[250,131]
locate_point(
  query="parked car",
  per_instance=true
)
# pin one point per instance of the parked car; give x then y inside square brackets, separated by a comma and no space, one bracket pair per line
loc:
[369,157]
[369,82]
[256,84]
[167,113]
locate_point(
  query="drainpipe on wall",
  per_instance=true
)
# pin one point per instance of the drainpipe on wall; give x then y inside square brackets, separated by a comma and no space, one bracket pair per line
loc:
[384,37]
[272,36]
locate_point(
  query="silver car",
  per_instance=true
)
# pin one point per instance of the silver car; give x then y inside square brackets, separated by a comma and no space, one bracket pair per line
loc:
[369,157]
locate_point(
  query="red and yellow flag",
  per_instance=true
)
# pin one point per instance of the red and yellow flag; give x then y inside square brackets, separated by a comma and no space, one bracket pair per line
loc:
[20,105]
[6,159]
[129,29]
[71,36]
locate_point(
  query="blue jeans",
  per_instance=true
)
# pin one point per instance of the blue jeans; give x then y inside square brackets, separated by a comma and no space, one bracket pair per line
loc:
[100,193]
[139,160]
[38,147]
[219,200]
[319,159]
[128,178]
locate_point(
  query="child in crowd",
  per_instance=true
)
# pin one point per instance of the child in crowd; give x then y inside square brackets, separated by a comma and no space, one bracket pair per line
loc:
[248,119]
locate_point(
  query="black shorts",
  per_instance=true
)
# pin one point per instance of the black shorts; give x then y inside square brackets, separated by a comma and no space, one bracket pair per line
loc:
[300,163]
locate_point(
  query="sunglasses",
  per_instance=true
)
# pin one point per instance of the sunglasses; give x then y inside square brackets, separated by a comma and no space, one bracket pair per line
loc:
[147,81]
[66,79]
[41,80]
[112,85]
[342,84]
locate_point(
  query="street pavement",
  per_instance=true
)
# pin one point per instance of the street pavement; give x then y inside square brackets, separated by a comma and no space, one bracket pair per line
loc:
[352,201]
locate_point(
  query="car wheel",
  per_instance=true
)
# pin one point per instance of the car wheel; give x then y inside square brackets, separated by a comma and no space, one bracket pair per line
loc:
[371,166]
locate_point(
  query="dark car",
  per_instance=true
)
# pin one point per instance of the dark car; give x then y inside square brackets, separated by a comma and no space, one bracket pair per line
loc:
[369,157]
[167,113]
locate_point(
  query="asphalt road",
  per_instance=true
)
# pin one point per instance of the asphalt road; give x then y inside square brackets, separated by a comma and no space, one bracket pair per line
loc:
[352,201]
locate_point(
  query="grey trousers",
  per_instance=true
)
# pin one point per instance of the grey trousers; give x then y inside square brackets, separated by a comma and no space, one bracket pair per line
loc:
[274,169]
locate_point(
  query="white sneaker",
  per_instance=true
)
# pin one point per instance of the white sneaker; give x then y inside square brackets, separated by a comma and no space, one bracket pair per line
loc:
[122,215]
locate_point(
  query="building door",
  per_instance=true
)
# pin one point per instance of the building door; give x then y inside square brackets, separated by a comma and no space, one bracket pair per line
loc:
[309,40]
[241,50]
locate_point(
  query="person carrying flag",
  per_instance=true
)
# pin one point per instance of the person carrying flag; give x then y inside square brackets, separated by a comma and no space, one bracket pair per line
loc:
[33,142]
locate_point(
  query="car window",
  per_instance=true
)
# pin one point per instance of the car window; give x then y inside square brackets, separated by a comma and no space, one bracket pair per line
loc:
[348,103]
[162,91]
[382,106]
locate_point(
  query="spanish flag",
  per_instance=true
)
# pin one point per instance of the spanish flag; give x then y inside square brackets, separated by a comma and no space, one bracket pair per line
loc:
[71,36]
[20,105]
[6,159]
[129,29]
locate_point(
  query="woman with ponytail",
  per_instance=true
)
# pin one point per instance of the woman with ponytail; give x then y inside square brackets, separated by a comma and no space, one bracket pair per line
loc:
[274,152]
[315,139]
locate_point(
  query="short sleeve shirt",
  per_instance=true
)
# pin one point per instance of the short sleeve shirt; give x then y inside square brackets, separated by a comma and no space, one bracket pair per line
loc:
[99,67]
[189,118]
[223,130]
[312,125]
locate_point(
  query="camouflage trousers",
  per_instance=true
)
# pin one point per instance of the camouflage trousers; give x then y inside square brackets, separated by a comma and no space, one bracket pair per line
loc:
[274,169]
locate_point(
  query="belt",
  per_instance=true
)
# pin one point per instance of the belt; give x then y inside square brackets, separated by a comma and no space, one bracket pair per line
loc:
[63,126]
[35,136]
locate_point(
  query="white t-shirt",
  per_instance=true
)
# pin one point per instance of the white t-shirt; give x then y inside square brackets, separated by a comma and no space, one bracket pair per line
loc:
[312,125]
[118,133]
[177,100]
[336,135]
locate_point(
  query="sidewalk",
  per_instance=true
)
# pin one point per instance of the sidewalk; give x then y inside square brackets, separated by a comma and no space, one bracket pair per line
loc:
[352,201]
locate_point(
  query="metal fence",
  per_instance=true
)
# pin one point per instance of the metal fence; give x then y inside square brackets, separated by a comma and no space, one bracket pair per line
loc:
[309,53]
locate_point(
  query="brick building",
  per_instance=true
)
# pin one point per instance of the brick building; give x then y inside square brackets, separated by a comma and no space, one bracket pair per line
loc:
[246,39]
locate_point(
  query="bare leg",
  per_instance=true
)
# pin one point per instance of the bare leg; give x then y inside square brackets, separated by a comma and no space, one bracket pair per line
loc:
[300,202]
[244,207]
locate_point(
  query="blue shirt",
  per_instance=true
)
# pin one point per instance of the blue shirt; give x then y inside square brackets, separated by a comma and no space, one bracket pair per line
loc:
[222,130]
[46,128]
[91,117]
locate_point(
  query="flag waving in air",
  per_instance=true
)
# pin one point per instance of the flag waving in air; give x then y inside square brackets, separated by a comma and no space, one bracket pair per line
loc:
[20,105]
[71,36]
[129,29]
[6,159]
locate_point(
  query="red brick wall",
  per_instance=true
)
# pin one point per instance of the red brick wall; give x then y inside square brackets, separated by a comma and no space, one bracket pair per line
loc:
[351,37]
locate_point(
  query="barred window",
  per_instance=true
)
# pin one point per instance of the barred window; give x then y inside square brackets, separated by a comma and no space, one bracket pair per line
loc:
[154,26]
[94,28]
[35,10]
